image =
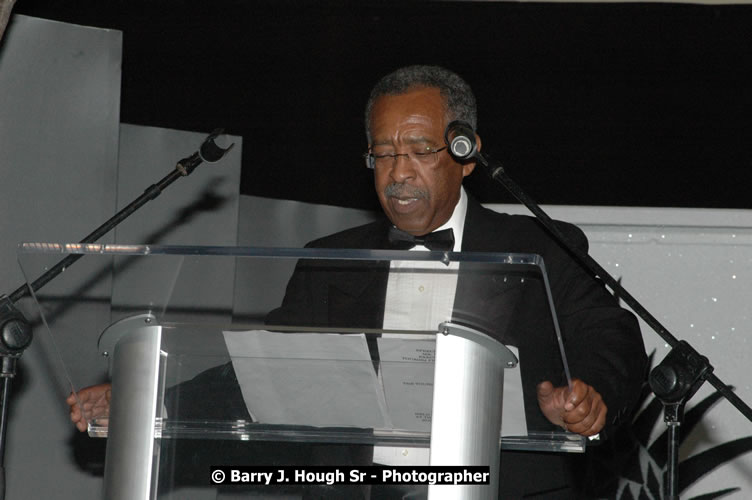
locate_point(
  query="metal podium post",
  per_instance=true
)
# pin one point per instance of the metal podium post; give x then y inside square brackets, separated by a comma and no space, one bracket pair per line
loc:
[467,400]
[134,345]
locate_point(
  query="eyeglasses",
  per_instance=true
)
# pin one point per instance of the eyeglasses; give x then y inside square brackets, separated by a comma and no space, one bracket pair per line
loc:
[423,156]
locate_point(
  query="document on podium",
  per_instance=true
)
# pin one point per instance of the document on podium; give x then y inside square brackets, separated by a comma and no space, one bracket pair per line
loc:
[328,380]
[407,370]
[320,380]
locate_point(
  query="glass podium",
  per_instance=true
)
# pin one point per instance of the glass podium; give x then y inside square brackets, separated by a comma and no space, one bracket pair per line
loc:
[269,357]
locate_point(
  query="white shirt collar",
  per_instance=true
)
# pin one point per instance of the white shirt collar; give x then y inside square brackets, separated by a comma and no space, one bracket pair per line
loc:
[456,222]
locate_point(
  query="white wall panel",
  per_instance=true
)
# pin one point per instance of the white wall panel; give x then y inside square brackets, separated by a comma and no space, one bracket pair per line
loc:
[60,102]
[692,269]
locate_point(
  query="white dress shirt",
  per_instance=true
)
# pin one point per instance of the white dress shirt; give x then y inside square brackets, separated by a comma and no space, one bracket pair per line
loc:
[420,296]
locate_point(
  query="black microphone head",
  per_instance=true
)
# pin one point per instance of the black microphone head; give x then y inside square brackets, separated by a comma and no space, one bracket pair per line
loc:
[460,138]
[210,152]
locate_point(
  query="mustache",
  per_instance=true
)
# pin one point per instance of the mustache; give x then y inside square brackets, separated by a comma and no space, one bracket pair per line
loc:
[398,190]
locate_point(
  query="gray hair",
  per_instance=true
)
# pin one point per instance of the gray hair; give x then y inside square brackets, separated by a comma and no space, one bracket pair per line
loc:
[459,98]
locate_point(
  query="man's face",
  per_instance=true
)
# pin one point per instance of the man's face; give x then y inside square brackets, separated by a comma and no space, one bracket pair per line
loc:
[416,197]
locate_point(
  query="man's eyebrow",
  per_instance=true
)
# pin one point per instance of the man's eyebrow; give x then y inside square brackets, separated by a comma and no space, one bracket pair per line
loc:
[418,140]
[407,140]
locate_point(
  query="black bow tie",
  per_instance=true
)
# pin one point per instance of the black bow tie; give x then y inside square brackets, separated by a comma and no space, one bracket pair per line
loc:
[440,240]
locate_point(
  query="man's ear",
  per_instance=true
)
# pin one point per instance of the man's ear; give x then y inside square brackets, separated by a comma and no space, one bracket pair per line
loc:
[468,167]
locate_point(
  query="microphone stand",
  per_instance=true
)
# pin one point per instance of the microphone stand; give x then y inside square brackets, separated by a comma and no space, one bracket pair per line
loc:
[681,373]
[15,329]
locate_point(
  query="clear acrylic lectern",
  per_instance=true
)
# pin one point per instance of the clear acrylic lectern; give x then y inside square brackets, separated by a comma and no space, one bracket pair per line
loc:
[266,357]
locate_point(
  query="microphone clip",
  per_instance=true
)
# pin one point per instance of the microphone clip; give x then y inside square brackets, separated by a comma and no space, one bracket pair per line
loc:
[209,152]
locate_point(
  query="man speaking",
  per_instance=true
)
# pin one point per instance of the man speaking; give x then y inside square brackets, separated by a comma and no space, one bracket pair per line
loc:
[419,185]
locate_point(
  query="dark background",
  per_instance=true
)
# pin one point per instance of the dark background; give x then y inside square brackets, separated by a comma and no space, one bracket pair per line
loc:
[591,104]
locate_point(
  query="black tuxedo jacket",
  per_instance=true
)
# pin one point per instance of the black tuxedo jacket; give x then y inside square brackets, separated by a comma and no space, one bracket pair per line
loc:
[602,341]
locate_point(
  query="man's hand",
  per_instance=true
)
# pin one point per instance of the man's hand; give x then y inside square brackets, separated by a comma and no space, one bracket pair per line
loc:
[580,410]
[96,404]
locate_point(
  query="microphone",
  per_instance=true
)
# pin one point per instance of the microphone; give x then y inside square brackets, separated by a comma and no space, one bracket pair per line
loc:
[460,137]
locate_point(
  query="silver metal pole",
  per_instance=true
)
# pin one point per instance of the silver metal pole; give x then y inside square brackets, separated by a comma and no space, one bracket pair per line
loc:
[467,401]
[132,459]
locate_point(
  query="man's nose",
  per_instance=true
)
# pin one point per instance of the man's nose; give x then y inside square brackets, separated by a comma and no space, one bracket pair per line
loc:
[403,168]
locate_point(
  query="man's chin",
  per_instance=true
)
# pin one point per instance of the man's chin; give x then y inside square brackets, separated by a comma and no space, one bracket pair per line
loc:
[416,228]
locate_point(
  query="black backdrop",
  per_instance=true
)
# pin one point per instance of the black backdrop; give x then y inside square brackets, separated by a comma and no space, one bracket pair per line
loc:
[594,104]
